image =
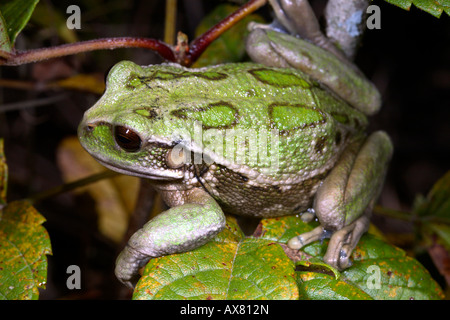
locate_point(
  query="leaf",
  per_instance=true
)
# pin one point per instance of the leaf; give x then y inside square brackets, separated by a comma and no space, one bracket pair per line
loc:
[319,286]
[24,244]
[434,211]
[433,7]
[5,43]
[386,272]
[83,82]
[237,267]
[401,277]
[45,15]
[16,14]
[3,176]
[230,46]
[230,267]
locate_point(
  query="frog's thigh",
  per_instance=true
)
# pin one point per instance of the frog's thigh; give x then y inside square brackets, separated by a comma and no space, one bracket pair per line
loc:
[344,201]
[354,182]
[179,229]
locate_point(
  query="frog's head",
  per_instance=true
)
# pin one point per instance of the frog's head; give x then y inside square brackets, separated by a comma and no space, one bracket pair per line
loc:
[130,129]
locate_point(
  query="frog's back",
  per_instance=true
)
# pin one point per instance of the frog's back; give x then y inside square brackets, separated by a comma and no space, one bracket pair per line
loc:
[276,122]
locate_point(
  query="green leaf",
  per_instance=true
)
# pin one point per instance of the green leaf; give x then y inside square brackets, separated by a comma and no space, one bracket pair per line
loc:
[434,210]
[16,14]
[5,43]
[320,286]
[230,267]
[400,276]
[24,244]
[433,7]
[386,272]
[237,267]
[230,46]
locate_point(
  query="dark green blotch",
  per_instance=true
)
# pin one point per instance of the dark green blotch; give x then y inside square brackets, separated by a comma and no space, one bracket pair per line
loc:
[279,78]
[287,117]
[215,115]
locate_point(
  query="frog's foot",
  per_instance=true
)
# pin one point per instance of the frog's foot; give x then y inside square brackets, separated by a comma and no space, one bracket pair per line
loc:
[127,266]
[343,242]
[341,245]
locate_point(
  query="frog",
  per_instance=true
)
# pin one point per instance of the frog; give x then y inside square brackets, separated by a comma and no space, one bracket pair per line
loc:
[273,137]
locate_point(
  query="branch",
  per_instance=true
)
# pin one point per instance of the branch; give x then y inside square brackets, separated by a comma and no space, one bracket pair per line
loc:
[24,57]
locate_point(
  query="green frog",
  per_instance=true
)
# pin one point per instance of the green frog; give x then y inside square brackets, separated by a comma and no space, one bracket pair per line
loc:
[282,135]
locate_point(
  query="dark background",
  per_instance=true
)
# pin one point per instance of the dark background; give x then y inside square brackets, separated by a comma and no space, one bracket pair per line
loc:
[408,59]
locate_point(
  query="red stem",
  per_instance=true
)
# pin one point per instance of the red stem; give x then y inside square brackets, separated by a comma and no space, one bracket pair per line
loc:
[98,44]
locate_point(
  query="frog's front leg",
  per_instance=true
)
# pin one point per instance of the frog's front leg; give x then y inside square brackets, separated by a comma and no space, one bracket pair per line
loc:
[299,19]
[179,229]
[344,201]
[276,49]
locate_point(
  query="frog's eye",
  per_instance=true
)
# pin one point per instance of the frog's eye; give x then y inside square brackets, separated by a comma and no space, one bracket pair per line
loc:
[127,139]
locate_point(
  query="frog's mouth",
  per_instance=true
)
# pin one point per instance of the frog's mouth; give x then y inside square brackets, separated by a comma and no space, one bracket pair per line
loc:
[144,173]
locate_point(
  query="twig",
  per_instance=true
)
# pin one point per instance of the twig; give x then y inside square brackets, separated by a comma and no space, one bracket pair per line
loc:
[71,186]
[24,57]
[31,103]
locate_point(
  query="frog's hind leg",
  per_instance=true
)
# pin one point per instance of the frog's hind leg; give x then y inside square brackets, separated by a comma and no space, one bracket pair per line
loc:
[344,201]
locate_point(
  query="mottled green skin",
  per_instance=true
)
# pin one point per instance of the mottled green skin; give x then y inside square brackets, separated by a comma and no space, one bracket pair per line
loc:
[314,127]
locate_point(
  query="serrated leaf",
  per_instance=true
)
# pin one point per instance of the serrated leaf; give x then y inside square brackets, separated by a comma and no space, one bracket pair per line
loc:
[230,267]
[16,14]
[433,7]
[24,244]
[401,277]
[386,272]
[319,286]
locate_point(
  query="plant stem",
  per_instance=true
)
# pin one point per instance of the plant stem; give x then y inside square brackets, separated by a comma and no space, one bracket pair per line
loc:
[36,55]
[170,21]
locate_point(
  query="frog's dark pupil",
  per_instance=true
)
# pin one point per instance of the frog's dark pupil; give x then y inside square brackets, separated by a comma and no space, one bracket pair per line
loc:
[127,139]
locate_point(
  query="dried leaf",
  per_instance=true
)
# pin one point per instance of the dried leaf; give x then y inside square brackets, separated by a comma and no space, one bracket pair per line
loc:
[114,198]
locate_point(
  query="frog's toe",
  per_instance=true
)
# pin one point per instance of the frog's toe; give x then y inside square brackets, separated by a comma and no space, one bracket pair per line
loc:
[308,216]
[295,243]
[306,238]
[344,261]
[343,242]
